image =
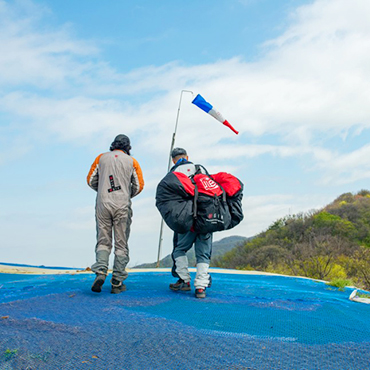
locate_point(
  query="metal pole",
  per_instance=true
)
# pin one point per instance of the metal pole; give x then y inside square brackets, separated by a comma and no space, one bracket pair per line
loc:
[168,168]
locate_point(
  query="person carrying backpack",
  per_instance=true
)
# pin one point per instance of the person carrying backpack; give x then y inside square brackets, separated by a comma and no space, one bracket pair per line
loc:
[183,242]
[117,177]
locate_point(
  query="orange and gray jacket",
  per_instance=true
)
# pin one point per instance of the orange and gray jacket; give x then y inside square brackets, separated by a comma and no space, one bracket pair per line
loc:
[116,176]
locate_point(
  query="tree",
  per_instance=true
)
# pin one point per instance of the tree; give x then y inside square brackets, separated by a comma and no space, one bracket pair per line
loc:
[360,266]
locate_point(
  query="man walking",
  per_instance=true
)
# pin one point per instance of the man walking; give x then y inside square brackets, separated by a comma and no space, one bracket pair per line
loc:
[117,177]
[183,242]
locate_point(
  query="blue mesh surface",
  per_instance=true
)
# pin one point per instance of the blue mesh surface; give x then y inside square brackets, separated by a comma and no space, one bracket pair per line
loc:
[246,322]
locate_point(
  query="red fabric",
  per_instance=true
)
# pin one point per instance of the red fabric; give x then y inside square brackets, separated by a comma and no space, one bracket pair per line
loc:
[206,185]
[227,124]
[229,182]
[186,182]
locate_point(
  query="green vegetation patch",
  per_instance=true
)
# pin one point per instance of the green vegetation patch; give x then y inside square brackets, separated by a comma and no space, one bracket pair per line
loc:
[363,295]
[9,354]
[332,244]
[340,283]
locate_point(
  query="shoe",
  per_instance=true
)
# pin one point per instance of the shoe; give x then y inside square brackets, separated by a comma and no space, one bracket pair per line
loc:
[353,295]
[210,281]
[98,283]
[117,287]
[200,293]
[181,285]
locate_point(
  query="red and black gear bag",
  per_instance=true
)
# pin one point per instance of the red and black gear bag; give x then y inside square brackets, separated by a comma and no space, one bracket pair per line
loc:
[218,201]
[175,201]
[211,212]
[234,196]
[205,203]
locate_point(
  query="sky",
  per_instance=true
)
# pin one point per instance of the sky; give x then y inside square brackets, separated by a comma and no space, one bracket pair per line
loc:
[291,75]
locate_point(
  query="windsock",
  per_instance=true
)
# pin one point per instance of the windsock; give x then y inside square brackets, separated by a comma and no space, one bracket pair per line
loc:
[201,103]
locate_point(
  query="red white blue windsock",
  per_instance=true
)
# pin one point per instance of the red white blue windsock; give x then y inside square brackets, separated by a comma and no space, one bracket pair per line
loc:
[200,102]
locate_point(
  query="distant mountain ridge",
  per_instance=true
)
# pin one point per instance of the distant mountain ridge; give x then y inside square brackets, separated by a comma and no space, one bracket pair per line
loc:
[332,243]
[218,249]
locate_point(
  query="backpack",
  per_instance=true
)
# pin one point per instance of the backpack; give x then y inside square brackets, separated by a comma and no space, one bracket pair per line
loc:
[217,201]
[234,196]
[175,201]
[203,203]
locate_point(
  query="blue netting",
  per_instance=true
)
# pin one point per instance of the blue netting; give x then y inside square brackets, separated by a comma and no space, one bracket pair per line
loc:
[246,322]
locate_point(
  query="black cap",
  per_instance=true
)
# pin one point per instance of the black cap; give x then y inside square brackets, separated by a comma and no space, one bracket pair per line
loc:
[178,151]
[121,142]
[122,139]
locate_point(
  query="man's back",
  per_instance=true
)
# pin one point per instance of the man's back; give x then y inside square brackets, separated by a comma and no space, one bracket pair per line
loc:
[184,216]
[115,172]
[116,176]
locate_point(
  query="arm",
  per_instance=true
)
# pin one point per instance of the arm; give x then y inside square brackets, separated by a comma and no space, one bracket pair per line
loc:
[137,180]
[93,176]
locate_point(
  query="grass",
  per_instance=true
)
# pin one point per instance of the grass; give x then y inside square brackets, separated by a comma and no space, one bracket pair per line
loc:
[43,356]
[340,283]
[363,295]
[10,353]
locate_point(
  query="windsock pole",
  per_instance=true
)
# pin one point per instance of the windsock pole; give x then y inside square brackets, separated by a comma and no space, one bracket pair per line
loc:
[168,168]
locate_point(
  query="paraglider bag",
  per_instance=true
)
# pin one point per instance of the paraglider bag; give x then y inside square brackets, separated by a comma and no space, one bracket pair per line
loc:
[204,203]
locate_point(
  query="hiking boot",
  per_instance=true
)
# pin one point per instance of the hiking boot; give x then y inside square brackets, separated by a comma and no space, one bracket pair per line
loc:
[98,283]
[353,295]
[210,281]
[117,286]
[200,293]
[181,285]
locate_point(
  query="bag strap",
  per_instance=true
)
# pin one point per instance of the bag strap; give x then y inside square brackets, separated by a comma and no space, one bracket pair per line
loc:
[195,201]
[198,170]
[196,192]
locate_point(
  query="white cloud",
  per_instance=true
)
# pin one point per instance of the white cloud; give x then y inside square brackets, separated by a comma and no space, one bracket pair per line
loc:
[347,168]
[44,58]
[311,84]
[313,79]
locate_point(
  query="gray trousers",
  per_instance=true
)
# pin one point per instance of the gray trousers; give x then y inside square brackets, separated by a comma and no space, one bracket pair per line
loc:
[118,220]
[203,250]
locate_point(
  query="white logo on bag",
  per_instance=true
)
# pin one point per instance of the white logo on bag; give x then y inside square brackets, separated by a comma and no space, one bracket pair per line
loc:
[208,183]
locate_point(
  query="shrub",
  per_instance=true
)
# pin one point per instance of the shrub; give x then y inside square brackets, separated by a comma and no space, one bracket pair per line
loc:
[340,283]
[363,193]
[336,224]
[10,353]
[337,272]
[363,295]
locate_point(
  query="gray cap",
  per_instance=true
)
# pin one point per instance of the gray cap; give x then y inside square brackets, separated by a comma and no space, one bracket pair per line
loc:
[178,151]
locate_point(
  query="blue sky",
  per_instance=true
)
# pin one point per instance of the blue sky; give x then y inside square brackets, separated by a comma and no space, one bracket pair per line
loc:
[292,76]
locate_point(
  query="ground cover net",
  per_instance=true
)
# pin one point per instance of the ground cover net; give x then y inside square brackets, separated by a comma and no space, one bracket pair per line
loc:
[246,322]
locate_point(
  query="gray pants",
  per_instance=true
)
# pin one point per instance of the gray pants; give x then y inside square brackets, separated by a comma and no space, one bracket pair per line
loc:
[203,249]
[110,219]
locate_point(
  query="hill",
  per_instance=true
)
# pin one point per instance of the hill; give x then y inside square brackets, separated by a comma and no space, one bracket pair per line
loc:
[330,244]
[218,249]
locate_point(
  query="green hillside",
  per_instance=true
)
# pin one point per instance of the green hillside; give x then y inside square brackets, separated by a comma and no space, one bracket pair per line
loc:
[330,244]
[218,248]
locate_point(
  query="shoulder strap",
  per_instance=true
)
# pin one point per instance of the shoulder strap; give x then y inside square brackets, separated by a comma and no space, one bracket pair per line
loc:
[195,201]
[198,168]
